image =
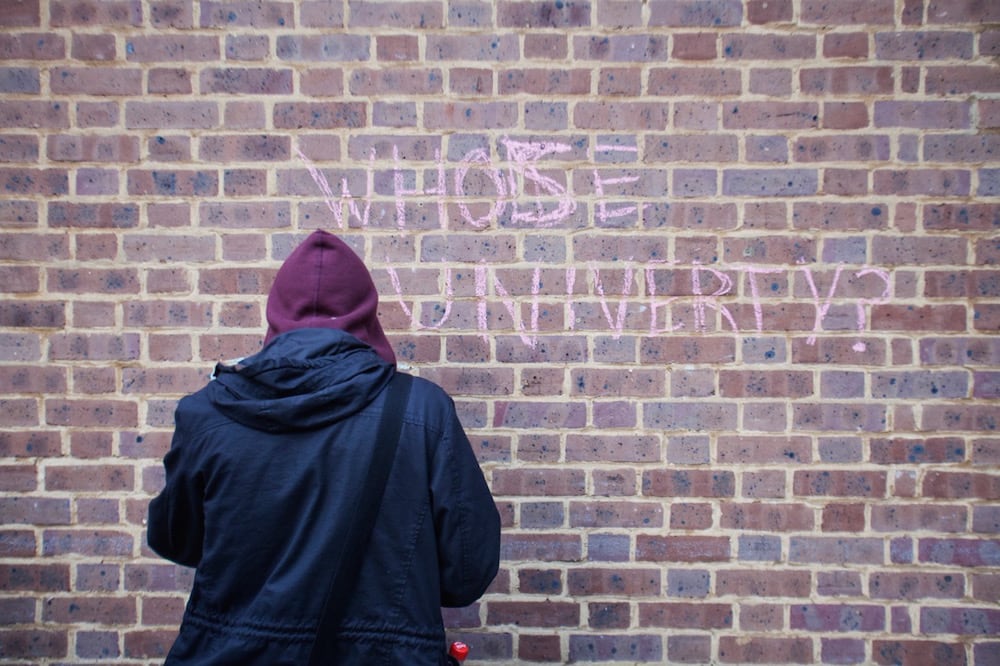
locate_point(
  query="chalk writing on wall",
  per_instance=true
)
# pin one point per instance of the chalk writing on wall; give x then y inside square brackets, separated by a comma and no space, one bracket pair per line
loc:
[654,308]
[523,194]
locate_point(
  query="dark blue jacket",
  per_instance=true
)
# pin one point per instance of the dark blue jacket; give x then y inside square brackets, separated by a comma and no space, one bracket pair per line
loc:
[263,471]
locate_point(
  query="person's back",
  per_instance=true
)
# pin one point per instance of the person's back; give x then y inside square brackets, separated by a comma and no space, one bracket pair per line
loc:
[266,468]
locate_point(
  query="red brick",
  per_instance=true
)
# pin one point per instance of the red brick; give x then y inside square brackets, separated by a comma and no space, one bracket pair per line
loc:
[759,516]
[699,616]
[619,81]
[235,281]
[96,610]
[18,543]
[397,15]
[769,11]
[107,413]
[39,444]
[470,116]
[97,114]
[765,650]
[158,578]
[681,548]
[534,15]
[933,114]
[406,82]
[91,444]
[830,617]
[962,12]
[961,485]
[927,317]
[694,46]
[247,47]
[247,14]
[843,518]
[621,48]
[914,586]
[845,182]
[18,148]
[615,514]
[620,116]
[238,148]
[842,550]
[950,216]
[631,448]
[171,115]
[539,648]
[100,543]
[89,478]
[688,483]
[603,615]
[173,182]
[79,13]
[534,614]
[984,586]
[246,81]
[95,81]
[776,46]
[214,348]
[845,115]
[35,577]
[162,610]
[691,516]
[839,483]
[94,347]
[481,48]
[89,216]
[32,510]
[689,13]
[46,182]
[471,81]
[845,45]
[848,12]
[23,13]
[761,617]
[631,582]
[928,45]
[961,80]
[146,644]
[764,383]
[520,482]
[33,114]
[746,583]
[918,653]
[550,46]
[397,48]
[34,643]
[697,350]
[539,82]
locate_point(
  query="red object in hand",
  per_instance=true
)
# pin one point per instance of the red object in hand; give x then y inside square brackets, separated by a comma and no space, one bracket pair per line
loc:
[459,651]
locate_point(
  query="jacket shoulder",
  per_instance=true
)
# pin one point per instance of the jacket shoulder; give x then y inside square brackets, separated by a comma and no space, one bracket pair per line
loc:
[195,411]
[429,404]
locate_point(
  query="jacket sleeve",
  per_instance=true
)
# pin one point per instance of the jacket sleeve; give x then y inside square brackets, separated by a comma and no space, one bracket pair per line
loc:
[176,522]
[466,519]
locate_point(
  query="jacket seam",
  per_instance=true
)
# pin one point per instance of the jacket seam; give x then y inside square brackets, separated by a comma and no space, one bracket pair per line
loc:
[222,625]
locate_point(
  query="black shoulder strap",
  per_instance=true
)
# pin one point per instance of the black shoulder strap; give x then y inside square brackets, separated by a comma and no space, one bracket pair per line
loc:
[361,522]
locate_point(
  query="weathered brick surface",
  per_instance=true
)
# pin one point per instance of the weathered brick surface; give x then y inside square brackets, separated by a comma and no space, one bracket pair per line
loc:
[713,282]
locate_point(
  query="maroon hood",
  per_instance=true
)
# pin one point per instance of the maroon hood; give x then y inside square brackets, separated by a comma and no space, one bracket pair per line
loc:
[324,284]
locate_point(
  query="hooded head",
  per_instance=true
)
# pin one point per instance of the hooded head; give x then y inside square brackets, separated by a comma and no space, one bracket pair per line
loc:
[324,284]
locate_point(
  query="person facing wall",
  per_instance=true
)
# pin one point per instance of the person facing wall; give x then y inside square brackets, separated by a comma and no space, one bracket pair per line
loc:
[264,477]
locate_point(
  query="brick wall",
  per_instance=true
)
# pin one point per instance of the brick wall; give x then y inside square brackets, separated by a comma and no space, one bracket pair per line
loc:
[713,283]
